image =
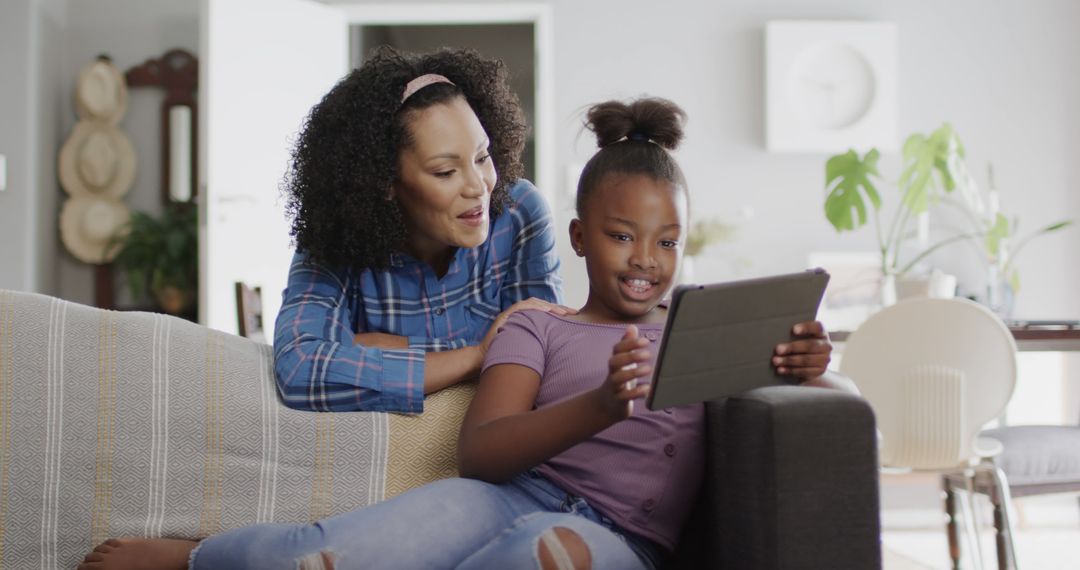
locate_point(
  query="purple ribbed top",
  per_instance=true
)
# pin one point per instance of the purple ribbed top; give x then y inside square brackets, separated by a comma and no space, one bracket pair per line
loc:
[643,472]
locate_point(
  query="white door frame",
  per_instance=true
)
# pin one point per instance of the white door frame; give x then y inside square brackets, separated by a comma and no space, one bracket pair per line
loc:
[539,15]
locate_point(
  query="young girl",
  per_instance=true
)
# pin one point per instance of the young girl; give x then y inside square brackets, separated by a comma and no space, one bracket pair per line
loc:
[560,468]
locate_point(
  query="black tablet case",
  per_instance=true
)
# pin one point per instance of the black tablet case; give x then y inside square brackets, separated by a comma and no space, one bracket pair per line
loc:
[719,338]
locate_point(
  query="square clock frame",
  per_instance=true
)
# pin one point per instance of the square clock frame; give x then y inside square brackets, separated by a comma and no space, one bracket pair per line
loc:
[830,86]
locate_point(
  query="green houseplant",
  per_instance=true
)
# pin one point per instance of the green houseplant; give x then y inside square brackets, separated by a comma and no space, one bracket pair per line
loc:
[934,171]
[930,164]
[160,255]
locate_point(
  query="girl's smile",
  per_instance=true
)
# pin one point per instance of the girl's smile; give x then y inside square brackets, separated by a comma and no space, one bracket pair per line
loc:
[639,288]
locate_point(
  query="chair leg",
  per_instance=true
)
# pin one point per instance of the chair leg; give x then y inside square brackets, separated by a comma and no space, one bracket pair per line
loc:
[998,490]
[950,521]
[971,516]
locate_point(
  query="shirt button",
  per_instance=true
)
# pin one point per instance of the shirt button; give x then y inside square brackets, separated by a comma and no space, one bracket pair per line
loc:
[649,505]
[669,450]
[652,335]
[440,311]
[667,410]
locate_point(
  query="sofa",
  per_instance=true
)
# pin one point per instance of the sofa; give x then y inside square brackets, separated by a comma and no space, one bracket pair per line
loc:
[140,424]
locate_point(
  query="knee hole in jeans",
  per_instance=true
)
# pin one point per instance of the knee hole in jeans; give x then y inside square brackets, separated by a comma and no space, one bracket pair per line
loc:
[323,560]
[563,549]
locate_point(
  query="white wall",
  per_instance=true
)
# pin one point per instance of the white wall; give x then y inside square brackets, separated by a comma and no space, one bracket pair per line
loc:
[49,24]
[1006,74]
[14,138]
[30,36]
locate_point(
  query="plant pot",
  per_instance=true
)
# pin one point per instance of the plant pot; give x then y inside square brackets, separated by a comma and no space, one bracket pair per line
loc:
[174,300]
[938,285]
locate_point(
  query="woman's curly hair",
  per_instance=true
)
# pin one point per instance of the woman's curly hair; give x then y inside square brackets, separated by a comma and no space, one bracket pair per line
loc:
[346,158]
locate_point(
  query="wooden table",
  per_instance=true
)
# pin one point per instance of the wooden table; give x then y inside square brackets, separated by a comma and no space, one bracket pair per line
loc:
[1046,339]
[1063,337]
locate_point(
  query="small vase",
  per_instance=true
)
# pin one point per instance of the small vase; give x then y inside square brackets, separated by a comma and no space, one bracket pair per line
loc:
[1000,296]
[888,290]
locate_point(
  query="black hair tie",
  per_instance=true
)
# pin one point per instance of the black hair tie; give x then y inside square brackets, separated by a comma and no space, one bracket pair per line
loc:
[637,136]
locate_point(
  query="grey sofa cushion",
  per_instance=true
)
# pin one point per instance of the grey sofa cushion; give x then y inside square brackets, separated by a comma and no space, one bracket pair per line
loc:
[1039,459]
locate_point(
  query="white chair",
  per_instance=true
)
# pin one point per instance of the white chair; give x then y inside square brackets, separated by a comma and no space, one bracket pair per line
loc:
[935,371]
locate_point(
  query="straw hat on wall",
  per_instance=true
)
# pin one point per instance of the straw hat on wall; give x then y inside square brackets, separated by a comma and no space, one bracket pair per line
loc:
[88,225]
[96,166]
[100,92]
[98,159]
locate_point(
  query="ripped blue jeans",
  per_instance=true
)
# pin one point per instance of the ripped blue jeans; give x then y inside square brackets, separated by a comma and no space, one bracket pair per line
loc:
[454,523]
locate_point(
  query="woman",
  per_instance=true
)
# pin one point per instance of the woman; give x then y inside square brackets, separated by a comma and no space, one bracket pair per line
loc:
[416,236]
[416,239]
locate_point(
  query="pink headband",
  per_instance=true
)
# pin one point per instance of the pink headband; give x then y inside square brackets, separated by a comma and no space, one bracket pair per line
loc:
[422,82]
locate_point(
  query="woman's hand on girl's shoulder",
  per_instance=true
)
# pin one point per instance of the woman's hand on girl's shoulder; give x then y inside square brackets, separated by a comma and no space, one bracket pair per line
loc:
[808,356]
[530,303]
[627,363]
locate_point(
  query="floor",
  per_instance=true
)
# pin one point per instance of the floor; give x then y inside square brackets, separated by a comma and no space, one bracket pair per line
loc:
[1047,529]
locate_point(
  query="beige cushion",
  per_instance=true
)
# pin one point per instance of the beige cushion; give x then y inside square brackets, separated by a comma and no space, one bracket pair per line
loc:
[423,448]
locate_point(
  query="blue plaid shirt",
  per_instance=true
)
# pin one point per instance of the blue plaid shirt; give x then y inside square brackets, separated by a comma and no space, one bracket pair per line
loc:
[317,365]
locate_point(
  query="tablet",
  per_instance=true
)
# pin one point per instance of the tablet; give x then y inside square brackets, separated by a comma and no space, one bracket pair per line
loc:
[719,338]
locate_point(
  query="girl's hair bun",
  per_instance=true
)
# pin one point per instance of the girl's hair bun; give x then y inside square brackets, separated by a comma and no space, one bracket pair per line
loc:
[648,119]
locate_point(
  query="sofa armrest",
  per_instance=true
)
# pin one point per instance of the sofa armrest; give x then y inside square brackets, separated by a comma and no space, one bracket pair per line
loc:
[792,482]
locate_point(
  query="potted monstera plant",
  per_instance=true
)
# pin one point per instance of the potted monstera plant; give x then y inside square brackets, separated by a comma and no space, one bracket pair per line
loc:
[159,255]
[934,171]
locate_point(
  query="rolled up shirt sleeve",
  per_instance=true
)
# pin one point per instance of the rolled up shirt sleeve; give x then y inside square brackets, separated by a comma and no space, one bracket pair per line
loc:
[318,366]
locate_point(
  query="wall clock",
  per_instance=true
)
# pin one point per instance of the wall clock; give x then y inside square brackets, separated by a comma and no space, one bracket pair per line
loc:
[830,86]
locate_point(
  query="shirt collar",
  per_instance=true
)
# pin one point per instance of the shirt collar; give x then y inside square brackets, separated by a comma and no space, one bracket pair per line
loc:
[400,259]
